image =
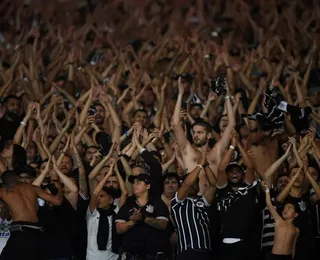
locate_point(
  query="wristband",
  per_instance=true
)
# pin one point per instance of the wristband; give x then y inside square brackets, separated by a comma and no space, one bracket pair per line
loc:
[267,190]
[23,123]
[199,165]
[127,133]
[205,165]
[232,147]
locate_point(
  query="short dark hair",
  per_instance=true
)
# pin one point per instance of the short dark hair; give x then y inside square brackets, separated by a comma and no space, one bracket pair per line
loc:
[204,124]
[170,175]
[7,98]
[9,177]
[139,110]
[110,191]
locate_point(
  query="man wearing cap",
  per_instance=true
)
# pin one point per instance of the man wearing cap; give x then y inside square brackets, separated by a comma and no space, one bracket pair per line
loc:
[142,221]
[237,205]
[26,174]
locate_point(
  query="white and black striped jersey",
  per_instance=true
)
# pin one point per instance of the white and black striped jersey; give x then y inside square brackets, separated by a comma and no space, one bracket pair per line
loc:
[192,224]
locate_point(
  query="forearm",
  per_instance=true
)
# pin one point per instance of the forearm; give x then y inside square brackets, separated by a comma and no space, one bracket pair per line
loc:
[314,184]
[97,168]
[160,224]
[124,227]
[57,141]
[177,111]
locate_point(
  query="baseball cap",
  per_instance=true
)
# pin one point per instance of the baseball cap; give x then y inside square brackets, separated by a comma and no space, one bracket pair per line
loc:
[26,169]
[234,165]
[141,177]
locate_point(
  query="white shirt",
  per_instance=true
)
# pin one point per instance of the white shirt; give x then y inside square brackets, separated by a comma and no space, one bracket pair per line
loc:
[93,253]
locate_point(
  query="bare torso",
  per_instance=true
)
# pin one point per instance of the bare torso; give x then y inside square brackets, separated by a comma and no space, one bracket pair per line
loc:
[22,202]
[284,240]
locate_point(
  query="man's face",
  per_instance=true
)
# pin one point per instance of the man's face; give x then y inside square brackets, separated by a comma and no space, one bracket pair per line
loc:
[136,170]
[102,173]
[148,98]
[300,178]
[170,186]
[235,175]
[223,123]
[66,165]
[282,182]
[89,154]
[200,136]
[25,178]
[31,151]
[12,107]
[140,117]
[196,112]
[314,98]
[313,172]
[100,114]
[112,182]
[7,151]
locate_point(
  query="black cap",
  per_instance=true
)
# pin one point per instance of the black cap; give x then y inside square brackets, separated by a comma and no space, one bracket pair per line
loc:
[26,169]
[141,177]
[234,165]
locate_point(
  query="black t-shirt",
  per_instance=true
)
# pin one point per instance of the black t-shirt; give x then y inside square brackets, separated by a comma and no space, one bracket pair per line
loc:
[8,129]
[237,221]
[143,238]
[59,224]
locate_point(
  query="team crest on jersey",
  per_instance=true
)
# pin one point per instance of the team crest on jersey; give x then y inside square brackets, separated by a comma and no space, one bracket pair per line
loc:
[200,204]
[149,208]
[302,205]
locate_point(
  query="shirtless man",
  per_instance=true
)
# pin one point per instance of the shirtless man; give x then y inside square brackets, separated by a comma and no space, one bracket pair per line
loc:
[286,234]
[22,202]
[201,135]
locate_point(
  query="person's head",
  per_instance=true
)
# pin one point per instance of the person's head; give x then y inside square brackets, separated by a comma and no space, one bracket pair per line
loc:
[36,167]
[44,164]
[235,174]
[140,116]
[12,107]
[106,198]
[171,184]
[7,151]
[9,178]
[313,170]
[299,180]
[243,131]
[201,133]
[195,110]
[31,151]
[100,114]
[138,169]
[66,165]
[194,189]
[112,182]
[314,96]
[26,174]
[282,182]
[90,151]
[223,123]
[148,98]
[141,184]
[290,211]
[102,173]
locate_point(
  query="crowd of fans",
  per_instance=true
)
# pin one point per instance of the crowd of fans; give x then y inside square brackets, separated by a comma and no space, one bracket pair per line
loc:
[157,129]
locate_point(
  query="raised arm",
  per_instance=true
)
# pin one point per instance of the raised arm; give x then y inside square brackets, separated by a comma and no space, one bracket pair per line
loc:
[284,193]
[72,195]
[96,191]
[271,208]
[123,187]
[188,182]
[223,143]
[180,136]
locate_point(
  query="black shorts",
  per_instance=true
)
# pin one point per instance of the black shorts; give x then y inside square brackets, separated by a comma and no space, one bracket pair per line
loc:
[25,244]
[280,257]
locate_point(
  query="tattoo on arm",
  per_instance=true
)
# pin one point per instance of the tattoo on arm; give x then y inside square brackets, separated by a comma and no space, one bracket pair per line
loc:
[156,223]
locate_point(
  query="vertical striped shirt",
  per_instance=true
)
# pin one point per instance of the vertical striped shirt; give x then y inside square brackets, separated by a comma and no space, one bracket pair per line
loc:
[192,224]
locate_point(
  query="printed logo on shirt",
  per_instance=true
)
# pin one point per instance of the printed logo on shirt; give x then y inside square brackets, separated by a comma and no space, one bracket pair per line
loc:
[150,209]
[200,204]
[302,205]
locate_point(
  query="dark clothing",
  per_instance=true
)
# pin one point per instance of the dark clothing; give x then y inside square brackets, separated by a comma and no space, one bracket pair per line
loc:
[24,244]
[280,257]
[235,251]
[142,238]
[191,219]
[155,173]
[193,254]
[59,224]
[129,256]
[8,128]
